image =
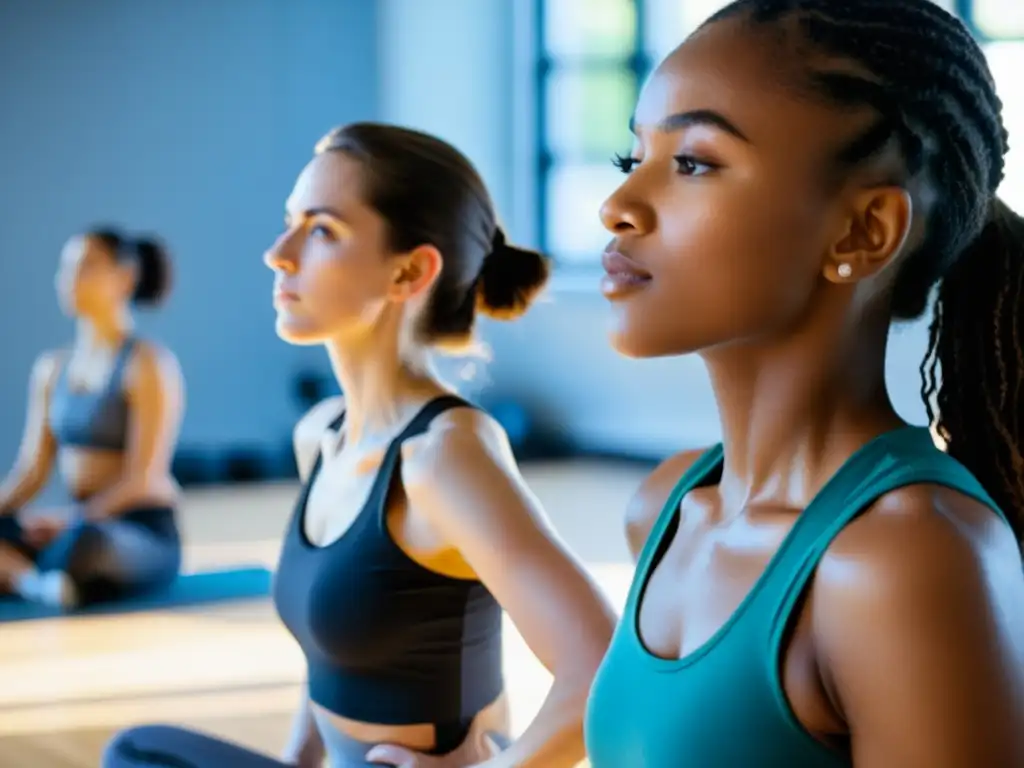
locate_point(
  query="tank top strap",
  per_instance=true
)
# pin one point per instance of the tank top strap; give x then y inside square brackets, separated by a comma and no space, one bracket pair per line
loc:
[419,424]
[334,426]
[62,382]
[891,461]
[421,421]
[124,355]
[700,473]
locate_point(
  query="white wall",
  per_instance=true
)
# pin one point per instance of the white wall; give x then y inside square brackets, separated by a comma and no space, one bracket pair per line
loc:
[444,69]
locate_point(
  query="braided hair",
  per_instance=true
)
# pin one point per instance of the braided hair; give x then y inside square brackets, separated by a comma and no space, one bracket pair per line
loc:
[927,79]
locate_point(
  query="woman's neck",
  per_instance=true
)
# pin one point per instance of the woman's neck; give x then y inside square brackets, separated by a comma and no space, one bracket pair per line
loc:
[380,388]
[103,332]
[793,411]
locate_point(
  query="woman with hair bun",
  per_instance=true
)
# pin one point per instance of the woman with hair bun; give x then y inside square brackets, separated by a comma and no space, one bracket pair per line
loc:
[414,531]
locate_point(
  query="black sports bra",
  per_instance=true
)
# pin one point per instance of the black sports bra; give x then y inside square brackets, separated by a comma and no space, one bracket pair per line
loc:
[386,640]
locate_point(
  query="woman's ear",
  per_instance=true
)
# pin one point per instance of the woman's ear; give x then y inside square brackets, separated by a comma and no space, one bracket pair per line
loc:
[414,272]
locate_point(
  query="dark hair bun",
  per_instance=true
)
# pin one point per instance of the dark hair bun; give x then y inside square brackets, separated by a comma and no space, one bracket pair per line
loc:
[510,280]
[154,266]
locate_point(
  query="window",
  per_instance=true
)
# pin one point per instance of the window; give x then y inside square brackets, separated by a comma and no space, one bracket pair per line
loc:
[1000,26]
[589,73]
[998,19]
[1006,60]
[594,56]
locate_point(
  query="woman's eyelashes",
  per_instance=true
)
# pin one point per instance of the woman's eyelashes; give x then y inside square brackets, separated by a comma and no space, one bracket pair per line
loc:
[624,163]
[687,165]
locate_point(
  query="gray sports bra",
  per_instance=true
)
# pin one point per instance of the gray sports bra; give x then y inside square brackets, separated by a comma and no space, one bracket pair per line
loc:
[92,419]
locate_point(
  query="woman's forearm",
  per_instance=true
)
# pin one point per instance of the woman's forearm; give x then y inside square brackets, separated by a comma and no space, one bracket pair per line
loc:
[19,488]
[305,735]
[555,737]
[114,500]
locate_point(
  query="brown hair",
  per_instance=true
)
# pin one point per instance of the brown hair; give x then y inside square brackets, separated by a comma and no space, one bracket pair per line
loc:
[429,193]
[150,257]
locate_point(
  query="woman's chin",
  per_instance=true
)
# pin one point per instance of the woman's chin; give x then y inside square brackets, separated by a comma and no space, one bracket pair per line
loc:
[626,346]
[640,342]
[628,341]
[295,333]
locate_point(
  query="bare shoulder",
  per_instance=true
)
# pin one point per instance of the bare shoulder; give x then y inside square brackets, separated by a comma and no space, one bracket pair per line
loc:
[310,429]
[918,538]
[652,495]
[462,474]
[917,615]
[922,560]
[152,359]
[459,435]
[46,368]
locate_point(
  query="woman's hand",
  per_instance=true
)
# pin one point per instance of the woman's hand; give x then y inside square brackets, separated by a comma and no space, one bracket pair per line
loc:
[12,565]
[41,530]
[475,750]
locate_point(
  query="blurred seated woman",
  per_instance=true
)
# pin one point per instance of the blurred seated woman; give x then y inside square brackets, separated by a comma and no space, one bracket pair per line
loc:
[107,411]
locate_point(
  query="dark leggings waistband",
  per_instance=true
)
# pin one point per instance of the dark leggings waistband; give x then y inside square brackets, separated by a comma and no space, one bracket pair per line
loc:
[162,520]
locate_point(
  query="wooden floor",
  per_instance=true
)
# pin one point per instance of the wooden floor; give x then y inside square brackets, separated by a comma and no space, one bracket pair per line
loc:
[67,684]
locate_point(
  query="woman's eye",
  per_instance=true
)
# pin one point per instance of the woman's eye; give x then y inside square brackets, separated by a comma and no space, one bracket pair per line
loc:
[691,166]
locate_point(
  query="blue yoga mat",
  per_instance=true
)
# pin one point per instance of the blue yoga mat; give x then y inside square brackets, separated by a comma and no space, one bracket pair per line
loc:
[188,589]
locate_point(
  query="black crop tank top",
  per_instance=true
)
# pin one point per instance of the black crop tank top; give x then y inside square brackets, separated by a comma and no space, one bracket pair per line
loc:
[386,640]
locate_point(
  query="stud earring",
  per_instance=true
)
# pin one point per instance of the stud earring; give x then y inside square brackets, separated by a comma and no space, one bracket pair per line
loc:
[844,270]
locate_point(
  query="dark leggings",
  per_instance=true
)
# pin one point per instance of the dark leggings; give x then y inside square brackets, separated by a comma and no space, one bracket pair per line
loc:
[108,559]
[165,746]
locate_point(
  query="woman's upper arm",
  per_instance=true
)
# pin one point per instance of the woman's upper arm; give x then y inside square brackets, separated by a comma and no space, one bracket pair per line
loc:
[652,495]
[156,391]
[309,432]
[37,448]
[463,477]
[919,626]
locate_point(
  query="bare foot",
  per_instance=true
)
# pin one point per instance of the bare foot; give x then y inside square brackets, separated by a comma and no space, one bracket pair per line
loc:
[12,565]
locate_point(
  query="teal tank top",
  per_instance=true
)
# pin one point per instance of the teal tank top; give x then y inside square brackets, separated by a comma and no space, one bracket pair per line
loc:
[723,705]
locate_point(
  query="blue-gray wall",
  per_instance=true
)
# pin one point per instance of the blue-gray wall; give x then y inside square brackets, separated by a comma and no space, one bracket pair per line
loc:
[190,119]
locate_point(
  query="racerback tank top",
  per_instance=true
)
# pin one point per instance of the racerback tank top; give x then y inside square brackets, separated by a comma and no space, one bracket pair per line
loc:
[723,706]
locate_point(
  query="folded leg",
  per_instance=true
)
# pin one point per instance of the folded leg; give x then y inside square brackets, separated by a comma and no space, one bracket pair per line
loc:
[164,746]
[109,559]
